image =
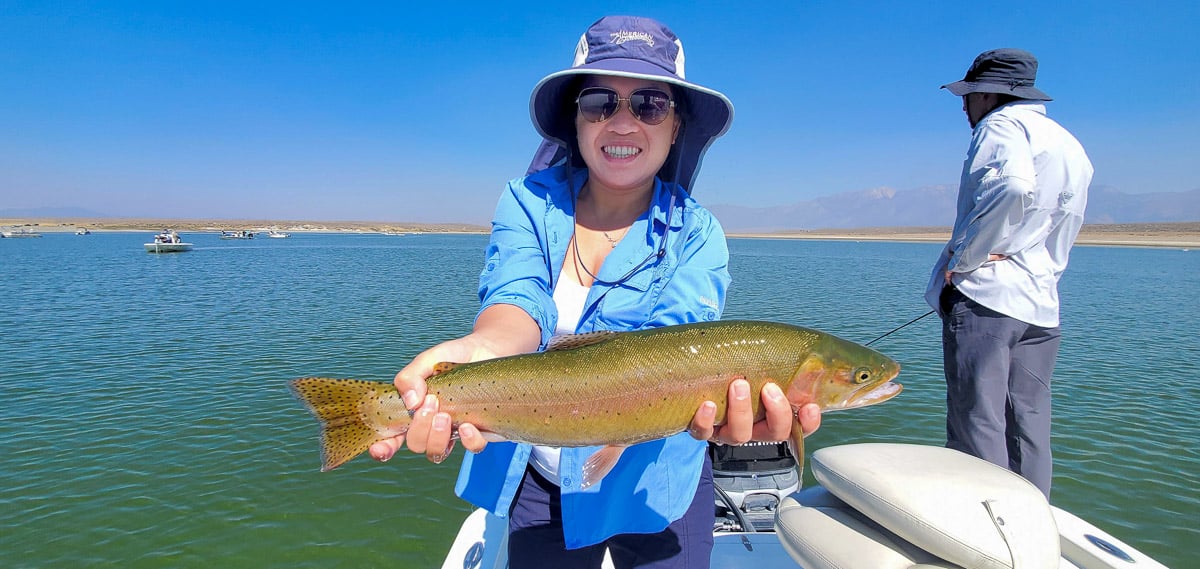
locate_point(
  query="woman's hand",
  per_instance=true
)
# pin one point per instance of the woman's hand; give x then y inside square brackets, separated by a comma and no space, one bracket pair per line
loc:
[500,330]
[740,427]
[430,432]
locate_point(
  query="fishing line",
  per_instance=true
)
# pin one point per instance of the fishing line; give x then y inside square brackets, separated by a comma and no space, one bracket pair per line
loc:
[898,328]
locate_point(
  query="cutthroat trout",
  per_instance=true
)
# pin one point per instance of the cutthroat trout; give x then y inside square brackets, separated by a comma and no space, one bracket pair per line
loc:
[611,388]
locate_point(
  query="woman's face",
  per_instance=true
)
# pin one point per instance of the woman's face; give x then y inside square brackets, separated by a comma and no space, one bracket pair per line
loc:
[623,152]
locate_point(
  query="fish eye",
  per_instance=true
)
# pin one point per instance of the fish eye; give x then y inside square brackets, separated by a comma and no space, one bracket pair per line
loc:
[862,375]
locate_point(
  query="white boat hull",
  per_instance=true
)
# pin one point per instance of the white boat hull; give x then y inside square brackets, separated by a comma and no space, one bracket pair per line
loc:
[167,247]
[816,529]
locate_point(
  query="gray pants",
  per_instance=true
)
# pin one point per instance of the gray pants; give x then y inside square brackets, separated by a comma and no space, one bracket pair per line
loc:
[998,387]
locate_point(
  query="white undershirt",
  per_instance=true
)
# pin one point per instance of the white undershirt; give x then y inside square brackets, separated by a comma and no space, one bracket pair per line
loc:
[570,298]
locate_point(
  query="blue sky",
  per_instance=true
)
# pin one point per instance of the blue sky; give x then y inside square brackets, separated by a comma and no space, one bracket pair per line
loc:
[386,111]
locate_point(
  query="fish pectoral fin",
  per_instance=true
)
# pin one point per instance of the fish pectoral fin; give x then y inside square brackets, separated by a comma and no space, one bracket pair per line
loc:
[796,445]
[572,341]
[443,367]
[600,464]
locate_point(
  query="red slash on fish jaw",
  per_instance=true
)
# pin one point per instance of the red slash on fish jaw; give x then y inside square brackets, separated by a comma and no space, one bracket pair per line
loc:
[806,382]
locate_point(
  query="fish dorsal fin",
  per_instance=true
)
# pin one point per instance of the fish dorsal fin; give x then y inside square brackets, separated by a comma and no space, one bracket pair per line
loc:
[572,341]
[443,367]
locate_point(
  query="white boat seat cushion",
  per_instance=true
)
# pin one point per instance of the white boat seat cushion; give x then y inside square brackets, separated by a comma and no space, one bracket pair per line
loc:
[821,532]
[958,508]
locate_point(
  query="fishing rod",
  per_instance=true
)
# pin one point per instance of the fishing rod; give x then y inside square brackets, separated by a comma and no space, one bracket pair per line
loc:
[898,328]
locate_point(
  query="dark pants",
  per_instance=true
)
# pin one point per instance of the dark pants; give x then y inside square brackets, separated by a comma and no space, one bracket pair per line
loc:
[998,387]
[535,533]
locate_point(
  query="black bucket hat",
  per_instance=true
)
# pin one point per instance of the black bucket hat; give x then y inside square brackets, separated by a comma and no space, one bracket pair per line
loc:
[642,48]
[1008,71]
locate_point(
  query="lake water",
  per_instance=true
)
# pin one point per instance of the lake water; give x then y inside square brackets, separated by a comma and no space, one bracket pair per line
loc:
[145,420]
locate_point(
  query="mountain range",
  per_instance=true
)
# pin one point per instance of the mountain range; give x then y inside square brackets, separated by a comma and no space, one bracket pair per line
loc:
[934,206]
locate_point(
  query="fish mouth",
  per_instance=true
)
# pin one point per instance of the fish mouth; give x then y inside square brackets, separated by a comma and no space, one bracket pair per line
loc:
[877,394]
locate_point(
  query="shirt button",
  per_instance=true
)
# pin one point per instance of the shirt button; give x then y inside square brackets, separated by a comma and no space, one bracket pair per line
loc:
[566,482]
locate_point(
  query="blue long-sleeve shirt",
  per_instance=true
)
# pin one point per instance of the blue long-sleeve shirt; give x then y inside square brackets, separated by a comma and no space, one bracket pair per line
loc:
[654,483]
[1022,195]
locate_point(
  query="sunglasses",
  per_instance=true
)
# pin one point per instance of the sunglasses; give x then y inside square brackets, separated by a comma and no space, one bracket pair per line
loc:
[598,104]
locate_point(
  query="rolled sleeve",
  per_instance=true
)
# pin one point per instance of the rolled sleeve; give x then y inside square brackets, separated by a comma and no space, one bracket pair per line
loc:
[515,269]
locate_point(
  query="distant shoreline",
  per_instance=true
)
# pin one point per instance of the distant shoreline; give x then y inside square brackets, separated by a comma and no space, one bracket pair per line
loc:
[1184,235]
[1174,235]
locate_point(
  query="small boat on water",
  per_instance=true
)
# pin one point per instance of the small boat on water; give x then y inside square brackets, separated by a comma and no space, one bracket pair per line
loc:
[167,242]
[278,234]
[83,231]
[239,234]
[19,233]
[878,506]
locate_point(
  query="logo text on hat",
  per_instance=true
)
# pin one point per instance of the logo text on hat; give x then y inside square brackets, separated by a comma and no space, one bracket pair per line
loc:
[621,37]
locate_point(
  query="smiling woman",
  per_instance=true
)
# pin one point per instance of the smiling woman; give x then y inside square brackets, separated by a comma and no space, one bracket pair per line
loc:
[608,238]
[623,152]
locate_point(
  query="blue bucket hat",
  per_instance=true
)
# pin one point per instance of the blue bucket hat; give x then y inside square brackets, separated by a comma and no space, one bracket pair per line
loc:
[1008,71]
[641,48]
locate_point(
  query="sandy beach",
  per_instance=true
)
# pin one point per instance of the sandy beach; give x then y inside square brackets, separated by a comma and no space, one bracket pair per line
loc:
[1181,235]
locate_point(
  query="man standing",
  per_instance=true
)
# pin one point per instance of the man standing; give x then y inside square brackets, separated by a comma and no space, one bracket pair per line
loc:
[1020,205]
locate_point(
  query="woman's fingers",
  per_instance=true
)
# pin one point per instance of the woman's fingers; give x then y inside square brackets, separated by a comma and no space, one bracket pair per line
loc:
[778,422]
[385,449]
[471,438]
[810,418]
[421,425]
[439,444]
[739,415]
[702,422]
[740,425]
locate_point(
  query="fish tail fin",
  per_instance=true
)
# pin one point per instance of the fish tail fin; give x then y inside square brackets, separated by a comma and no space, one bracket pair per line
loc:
[796,445]
[340,406]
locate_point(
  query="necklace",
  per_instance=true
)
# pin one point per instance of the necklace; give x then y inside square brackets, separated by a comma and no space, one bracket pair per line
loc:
[662,251]
[613,242]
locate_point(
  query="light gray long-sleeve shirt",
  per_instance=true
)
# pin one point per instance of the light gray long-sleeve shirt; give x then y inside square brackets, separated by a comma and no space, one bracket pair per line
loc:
[1022,195]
